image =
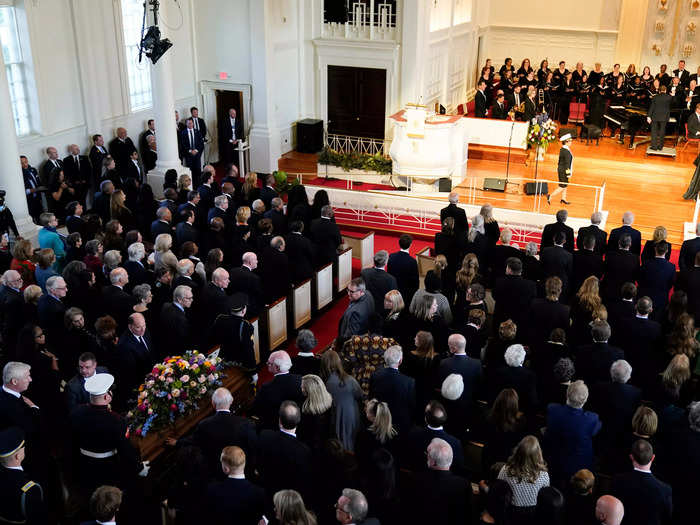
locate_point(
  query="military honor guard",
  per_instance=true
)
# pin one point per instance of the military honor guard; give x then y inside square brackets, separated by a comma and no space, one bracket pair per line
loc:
[564,168]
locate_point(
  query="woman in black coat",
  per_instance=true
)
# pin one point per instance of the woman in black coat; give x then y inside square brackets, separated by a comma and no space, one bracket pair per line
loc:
[649,251]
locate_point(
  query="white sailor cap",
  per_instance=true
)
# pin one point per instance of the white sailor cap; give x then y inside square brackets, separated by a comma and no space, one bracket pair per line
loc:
[99,384]
[566,137]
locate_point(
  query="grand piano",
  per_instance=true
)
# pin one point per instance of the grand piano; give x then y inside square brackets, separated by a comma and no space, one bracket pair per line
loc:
[633,120]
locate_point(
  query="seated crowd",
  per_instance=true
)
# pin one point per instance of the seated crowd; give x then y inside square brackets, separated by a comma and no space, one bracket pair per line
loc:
[567,368]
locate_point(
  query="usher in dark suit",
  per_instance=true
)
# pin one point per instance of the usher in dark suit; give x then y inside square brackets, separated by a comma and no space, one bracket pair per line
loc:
[283,387]
[399,391]
[617,233]
[405,268]
[601,237]
[460,217]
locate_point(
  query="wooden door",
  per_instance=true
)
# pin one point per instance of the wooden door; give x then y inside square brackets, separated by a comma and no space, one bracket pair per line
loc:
[356,101]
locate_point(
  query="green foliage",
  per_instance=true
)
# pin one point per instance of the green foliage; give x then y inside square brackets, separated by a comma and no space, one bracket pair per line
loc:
[282,183]
[355,161]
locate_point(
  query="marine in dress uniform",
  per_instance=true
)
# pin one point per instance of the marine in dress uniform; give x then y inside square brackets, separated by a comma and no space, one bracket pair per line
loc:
[103,452]
[22,499]
[564,167]
[235,334]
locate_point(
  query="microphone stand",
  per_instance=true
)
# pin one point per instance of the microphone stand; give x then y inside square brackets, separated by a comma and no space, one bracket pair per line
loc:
[510,141]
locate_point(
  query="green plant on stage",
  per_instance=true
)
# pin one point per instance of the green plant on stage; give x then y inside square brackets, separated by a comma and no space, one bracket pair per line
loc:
[355,161]
[282,182]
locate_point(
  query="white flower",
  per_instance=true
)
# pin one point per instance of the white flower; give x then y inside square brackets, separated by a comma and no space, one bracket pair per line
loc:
[185,378]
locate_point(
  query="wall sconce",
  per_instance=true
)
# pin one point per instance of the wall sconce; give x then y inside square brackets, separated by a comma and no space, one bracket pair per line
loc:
[656,49]
[663,5]
[695,5]
[688,50]
[690,28]
[659,26]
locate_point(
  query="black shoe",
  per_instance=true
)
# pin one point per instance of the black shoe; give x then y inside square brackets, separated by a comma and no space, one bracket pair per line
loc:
[630,146]
[564,202]
[549,200]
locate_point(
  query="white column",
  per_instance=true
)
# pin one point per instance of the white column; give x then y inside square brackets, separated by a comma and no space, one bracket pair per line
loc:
[164,111]
[11,179]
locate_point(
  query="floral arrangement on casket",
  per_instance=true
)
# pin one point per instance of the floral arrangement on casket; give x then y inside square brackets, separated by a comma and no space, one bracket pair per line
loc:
[543,130]
[172,389]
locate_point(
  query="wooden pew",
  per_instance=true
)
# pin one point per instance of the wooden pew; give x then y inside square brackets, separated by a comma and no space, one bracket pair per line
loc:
[344,269]
[362,248]
[300,305]
[426,262]
[255,321]
[276,323]
[323,286]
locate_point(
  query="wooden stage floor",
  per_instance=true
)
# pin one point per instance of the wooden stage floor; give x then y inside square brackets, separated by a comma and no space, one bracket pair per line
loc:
[650,187]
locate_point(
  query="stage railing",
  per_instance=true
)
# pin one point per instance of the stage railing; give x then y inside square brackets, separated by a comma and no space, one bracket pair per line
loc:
[350,144]
[592,194]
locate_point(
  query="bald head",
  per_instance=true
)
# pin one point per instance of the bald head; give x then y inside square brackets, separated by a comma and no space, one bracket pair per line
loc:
[609,510]
[457,343]
[453,198]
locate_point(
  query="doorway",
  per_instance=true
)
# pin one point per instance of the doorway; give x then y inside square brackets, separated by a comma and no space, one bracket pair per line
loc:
[226,100]
[356,101]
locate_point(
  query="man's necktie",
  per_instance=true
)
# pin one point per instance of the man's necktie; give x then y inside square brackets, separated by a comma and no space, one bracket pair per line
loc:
[196,123]
[143,343]
[77,162]
[191,139]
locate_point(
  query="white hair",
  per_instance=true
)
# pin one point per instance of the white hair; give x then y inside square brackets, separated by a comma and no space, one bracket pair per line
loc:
[184,266]
[14,370]
[281,360]
[627,218]
[393,356]
[577,394]
[515,355]
[180,291]
[694,416]
[452,387]
[440,453]
[55,281]
[10,275]
[136,250]
[258,205]
[357,504]
[220,199]
[117,275]
[453,198]
[222,398]
[596,217]
[620,371]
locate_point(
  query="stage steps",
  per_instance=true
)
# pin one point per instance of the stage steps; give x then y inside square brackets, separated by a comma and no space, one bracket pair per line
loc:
[295,162]
[496,153]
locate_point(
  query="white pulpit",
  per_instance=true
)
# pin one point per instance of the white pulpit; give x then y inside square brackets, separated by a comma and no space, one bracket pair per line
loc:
[428,147]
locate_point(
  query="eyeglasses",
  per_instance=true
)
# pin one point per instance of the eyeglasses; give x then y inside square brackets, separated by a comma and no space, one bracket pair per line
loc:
[341,509]
[352,291]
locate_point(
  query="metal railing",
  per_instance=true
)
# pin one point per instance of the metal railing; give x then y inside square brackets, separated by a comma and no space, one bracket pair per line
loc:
[364,145]
[363,20]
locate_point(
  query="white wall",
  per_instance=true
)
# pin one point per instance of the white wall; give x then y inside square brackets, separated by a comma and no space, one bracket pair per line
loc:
[78,64]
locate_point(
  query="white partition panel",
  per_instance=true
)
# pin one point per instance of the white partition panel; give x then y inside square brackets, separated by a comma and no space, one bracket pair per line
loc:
[344,269]
[256,339]
[277,323]
[301,299]
[324,286]
[362,248]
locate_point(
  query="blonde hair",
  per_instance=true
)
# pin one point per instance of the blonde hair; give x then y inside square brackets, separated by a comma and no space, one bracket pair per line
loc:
[487,213]
[32,293]
[426,345]
[682,339]
[382,426]
[184,182]
[467,272]
[243,214]
[397,304]
[526,462]
[233,457]
[588,294]
[250,183]
[163,242]
[440,263]
[116,202]
[318,400]
[645,422]
[291,509]
[660,234]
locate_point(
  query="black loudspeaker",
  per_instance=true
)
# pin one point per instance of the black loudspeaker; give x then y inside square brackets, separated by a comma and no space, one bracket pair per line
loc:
[494,184]
[541,188]
[309,135]
[445,184]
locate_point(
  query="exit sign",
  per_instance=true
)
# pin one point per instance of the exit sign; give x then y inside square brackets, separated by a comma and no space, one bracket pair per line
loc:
[223,75]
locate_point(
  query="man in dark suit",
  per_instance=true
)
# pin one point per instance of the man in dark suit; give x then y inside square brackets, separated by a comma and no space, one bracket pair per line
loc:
[283,386]
[300,253]
[244,280]
[418,439]
[214,299]
[547,314]
[97,154]
[220,430]
[500,253]
[599,235]
[352,507]
[516,98]
[621,266]
[686,259]
[593,361]
[51,164]
[587,262]
[558,262]
[18,410]
[689,282]
[683,466]
[461,227]
[78,171]
[162,224]
[116,302]
[615,402]
[326,237]
[11,308]
[626,229]
[550,231]
[230,134]
[137,272]
[133,169]
[513,295]
[191,149]
[404,268]
[274,270]
[206,191]
[514,375]
[693,123]
[481,104]
[120,148]
[75,388]
[647,500]
[682,73]
[135,353]
[32,188]
[621,307]
[199,123]
[641,339]
[284,461]
[101,204]
[236,336]
[277,216]
[268,192]
[50,308]
[185,231]
[398,390]
[656,278]
[444,497]
[378,281]
[175,331]
[498,109]
[658,115]
[234,500]
[220,209]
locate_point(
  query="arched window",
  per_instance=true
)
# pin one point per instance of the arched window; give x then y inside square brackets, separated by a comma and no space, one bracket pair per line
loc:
[139,74]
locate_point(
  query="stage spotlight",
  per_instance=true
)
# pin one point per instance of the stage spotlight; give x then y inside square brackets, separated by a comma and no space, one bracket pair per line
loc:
[152,45]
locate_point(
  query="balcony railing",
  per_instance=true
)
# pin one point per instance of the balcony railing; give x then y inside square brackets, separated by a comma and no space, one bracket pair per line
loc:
[361,20]
[363,145]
